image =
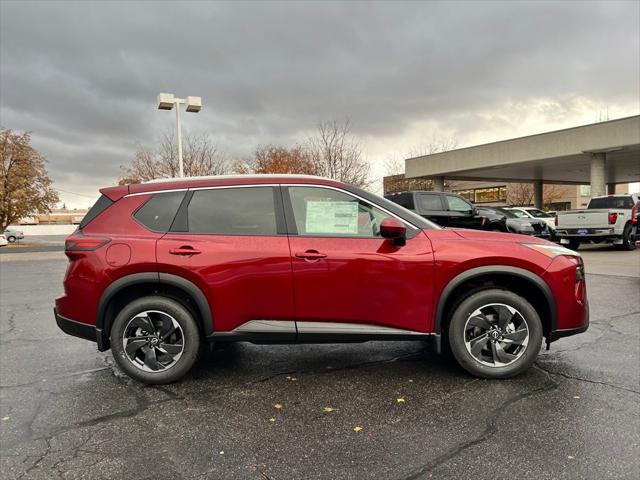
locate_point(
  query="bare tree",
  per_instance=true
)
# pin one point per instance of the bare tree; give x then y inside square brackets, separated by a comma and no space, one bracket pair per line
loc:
[436,144]
[336,154]
[200,156]
[521,194]
[395,179]
[25,186]
[278,159]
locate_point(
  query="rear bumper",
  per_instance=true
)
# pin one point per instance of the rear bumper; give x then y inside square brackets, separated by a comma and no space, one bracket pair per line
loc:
[589,233]
[81,330]
[567,332]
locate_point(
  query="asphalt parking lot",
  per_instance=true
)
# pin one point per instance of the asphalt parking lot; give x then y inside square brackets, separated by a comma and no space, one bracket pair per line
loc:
[291,412]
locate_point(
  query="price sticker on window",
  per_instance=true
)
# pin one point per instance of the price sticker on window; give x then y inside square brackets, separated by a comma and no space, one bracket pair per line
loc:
[332,217]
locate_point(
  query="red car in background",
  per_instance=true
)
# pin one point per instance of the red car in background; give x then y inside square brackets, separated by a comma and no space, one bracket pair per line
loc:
[157,270]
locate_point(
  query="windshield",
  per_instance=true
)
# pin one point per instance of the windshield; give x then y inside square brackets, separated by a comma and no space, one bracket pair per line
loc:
[538,213]
[517,213]
[510,213]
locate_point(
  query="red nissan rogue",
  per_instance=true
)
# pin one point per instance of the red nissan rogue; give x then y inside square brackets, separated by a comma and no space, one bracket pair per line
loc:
[159,269]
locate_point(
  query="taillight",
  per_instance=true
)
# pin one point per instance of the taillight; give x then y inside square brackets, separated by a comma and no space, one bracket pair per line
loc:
[634,214]
[613,218]
[84,244]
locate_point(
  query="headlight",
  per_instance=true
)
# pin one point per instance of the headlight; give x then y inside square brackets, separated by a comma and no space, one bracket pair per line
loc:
[551,251]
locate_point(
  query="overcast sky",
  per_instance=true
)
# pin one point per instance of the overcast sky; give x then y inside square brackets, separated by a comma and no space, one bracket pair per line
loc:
[83,76]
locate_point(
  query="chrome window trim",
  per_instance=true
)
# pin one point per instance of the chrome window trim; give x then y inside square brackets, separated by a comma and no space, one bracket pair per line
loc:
[311,185]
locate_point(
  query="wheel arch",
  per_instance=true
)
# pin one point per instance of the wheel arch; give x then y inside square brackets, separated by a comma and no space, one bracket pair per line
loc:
[130,287]
[520,281]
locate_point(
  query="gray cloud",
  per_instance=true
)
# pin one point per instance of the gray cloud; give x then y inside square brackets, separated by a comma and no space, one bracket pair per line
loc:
[83,75]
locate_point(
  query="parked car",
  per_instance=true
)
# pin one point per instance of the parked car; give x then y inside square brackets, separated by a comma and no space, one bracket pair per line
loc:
[447,210]
[532,212]
[3,241]
[12,235]
[636,224]
[158,269]
[516,224]
[606,219]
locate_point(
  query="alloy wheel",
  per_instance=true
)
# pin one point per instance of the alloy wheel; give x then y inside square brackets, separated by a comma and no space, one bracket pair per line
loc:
[496,334]
[153,341]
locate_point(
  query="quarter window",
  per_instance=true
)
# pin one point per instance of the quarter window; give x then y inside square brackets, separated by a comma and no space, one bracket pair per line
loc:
[233,211]
[159,211]
[323,212]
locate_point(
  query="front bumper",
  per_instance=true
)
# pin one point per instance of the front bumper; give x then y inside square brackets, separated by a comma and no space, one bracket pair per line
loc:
[81,330]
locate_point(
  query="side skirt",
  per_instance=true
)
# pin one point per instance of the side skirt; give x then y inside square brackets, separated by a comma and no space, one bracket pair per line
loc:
[283,332]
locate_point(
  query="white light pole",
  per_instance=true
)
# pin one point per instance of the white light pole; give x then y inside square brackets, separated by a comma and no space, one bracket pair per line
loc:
[166,101]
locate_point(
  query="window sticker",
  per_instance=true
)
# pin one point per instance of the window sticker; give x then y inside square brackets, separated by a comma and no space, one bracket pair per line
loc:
[332,217]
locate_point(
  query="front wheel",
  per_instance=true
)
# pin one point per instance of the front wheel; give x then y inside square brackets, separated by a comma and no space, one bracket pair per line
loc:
[495,334]
[11,239]
[155,340]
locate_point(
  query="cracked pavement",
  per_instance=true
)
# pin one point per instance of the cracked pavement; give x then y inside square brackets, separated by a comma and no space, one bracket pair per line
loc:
[67,412]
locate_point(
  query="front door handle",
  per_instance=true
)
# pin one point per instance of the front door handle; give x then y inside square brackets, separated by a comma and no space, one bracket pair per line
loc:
[311,255]
[184,250]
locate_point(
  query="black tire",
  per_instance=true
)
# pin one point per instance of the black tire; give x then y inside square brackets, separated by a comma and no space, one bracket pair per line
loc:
[628,239]
[11,239]
[574,244]
[523,355]
[162,308]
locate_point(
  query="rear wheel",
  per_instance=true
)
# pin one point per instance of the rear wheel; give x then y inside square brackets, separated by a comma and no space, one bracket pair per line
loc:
[155,340]
[495,334]
[628,239]
[574,244]
[11,239]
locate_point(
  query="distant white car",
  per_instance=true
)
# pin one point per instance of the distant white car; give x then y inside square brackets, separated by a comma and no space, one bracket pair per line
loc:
[532,212]
[3,241]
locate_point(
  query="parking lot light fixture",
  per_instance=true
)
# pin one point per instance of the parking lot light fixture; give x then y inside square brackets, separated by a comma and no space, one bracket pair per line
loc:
[166,101]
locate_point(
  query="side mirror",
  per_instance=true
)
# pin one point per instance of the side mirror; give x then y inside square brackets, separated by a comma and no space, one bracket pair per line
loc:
[395,230]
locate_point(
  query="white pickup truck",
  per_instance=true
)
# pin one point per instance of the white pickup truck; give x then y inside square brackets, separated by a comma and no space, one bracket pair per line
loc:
[612,219]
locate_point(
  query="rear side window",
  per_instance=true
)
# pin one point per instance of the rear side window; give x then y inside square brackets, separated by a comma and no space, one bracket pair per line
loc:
[429,202]
[611,202]
[100,206]
[159,211]
[233,211]
[403,199]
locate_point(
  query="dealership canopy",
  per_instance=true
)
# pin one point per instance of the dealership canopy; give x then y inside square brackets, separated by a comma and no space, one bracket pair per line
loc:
[600,154]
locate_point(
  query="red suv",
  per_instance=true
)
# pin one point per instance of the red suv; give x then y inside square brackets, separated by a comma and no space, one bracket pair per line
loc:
[159,269]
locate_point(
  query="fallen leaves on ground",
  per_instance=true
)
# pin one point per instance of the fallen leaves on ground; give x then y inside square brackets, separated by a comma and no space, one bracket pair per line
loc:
[400,400]
[278,406]
[327,409]
[357,428]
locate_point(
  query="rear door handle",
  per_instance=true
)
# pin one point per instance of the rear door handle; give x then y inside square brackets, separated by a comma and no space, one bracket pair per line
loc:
[311,255]
[184,250]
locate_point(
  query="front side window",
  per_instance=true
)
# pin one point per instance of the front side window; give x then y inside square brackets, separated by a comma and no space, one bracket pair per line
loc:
[323,212]
[457,204]
[233,211]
